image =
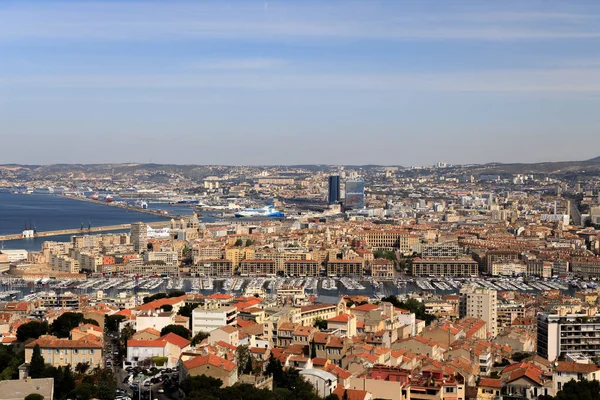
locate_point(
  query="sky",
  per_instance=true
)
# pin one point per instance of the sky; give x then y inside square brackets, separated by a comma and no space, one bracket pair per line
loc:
[394,82]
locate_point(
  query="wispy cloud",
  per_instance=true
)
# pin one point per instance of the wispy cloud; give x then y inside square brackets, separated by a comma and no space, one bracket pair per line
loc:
[237,64]
[492,81]
[282,21]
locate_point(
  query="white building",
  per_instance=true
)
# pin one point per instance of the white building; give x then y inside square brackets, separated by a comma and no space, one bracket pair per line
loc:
[168,257]
[14,255]
[155,320]
[559,334]
[566,371]
[481,303]
[212,316]
[323,382]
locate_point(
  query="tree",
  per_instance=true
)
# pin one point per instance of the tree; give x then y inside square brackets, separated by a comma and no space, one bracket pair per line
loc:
[61,327]
[84,391]
[239,243]
[106,386]
[332,396]
[176,329]
[34,396]
[199,337]
[248,242]
[126,333]
[320,323]
[10,362]
[412,305]
[242,355]
[37,364]
[112,322]
[82,368]
[167,308]
[31,330]
[582,390]
[155,296]
[249,365]
[68,382]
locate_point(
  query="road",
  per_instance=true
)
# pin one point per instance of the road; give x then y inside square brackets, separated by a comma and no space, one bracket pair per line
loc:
[575,214]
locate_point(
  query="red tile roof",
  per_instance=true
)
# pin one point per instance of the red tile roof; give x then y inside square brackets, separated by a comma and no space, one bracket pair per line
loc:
[210,359]
[88,342]
[491,382]
[146,343]
[176,340]
[341,318]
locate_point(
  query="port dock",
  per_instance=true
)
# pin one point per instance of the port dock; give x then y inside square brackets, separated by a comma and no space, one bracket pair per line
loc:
[79,231]
[127,207]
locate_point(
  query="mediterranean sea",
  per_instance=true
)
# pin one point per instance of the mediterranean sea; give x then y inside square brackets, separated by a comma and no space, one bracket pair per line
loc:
[48,213]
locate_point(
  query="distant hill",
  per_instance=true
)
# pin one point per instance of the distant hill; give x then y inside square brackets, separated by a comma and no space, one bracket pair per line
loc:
[161,172]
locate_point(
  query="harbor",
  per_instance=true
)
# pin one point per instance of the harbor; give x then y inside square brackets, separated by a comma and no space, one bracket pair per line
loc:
[79,231]
[326,289]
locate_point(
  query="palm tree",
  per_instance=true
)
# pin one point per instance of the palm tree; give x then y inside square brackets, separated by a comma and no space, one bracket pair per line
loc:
[82,368]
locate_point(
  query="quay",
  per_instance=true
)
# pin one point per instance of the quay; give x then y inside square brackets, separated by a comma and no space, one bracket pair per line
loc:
[158,213]
[159,224]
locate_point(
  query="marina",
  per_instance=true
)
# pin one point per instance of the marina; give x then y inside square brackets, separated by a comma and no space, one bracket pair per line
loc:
[322,287]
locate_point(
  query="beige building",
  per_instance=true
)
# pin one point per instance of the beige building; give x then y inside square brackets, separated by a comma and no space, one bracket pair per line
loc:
[345,267]
[382,269]
[237,254]
[62,352]
[207,253]
[391,239]
[210,365]
[302,268]
[257,267]
[212,268]
[445,267]
[63,263]
[481,303]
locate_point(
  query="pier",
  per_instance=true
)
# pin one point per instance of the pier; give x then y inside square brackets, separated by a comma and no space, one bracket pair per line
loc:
[79,231]
[127,207]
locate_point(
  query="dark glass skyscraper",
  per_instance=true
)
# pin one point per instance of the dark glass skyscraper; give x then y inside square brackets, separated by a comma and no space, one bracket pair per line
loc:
[334,189]
[355,194]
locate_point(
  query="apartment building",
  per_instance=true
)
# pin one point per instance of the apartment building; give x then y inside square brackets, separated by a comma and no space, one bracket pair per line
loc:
[562,333]
[237,254]
[62,352]
[499,256]
[63,263]
[345,267]
[390,239]
[444,267]
[207,253]
[382,269]
[257,267]
[302,268]
[480,303]
[212,268]
[211,316]
[586,267]
[168,257]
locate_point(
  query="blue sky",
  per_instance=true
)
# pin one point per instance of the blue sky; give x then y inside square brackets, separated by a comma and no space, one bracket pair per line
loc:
[286,82]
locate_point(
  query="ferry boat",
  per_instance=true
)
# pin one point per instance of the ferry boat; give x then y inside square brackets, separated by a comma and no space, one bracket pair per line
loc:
[268,211]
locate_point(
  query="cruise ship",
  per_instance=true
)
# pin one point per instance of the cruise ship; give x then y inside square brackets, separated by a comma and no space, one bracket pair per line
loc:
[185,202]
[268,211]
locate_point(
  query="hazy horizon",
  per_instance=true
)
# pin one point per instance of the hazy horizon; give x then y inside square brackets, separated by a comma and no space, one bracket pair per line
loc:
[291,83]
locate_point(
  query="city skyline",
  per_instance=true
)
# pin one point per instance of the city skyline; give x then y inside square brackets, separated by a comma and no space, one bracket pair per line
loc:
[282,83]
